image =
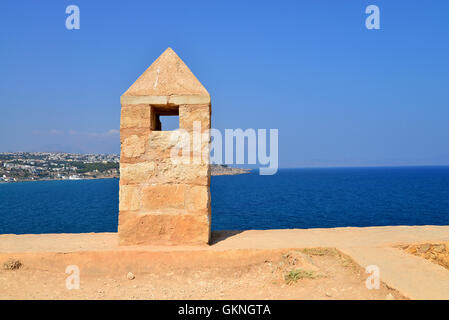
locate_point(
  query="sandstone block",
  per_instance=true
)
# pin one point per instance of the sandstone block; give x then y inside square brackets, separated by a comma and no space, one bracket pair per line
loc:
[135,116]
[189,99]
[167,172]
[188,114]
[167,76]
[133,146]
[160,145]
[129,197]
[136,173]
[163,197]
[198,199]
[164,229]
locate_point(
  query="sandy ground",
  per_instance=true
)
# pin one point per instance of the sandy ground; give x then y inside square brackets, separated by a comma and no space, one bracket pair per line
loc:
[237,265]
[331,275]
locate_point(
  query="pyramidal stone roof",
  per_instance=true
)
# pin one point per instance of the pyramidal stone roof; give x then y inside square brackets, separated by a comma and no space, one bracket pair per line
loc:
[167,81]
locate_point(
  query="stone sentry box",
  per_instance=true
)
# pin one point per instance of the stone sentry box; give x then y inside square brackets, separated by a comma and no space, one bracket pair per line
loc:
[162,202]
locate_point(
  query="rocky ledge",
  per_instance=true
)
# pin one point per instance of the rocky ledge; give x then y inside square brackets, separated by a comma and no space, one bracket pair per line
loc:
[222,170]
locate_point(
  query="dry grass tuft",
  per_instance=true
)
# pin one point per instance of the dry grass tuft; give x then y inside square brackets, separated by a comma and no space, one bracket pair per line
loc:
[320,251]
[298,274]
[436,252]
[12,264]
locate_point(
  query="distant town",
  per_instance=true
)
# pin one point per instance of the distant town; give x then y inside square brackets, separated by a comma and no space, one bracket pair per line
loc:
[33,166]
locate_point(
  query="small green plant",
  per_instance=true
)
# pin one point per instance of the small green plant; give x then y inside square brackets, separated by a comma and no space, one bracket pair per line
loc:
[297,274]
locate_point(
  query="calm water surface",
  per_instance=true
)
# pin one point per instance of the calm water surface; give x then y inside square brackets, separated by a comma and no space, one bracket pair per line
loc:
[296,198]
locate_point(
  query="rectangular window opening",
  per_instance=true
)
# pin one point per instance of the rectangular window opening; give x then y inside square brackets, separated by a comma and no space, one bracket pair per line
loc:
[165,118]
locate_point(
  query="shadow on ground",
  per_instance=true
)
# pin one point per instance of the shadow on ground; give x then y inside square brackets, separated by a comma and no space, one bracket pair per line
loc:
[218,236]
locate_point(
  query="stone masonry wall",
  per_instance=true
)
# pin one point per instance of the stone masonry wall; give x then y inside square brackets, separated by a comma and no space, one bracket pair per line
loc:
[161,202]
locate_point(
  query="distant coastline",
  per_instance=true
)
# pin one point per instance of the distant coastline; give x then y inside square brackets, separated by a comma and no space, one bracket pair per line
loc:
[216,170]
[60,179]
[44,166]
[57,166]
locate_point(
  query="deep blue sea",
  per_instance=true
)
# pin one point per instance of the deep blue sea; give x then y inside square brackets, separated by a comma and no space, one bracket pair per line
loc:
[293,198]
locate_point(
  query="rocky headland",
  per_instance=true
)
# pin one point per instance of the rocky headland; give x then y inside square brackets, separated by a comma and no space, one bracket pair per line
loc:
[222,170]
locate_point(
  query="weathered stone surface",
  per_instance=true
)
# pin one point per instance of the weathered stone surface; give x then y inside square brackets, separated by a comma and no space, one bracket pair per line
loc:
[157,198]
[135,116]
[136,173]
[165,229]
[167,76]
[162,100]
[165,179]
[198,199]
[130,197]
[194,174]
[188,114]
[134,146]
[160,144]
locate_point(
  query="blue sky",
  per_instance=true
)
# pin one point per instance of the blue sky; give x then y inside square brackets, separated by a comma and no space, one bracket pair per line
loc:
[338,93]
